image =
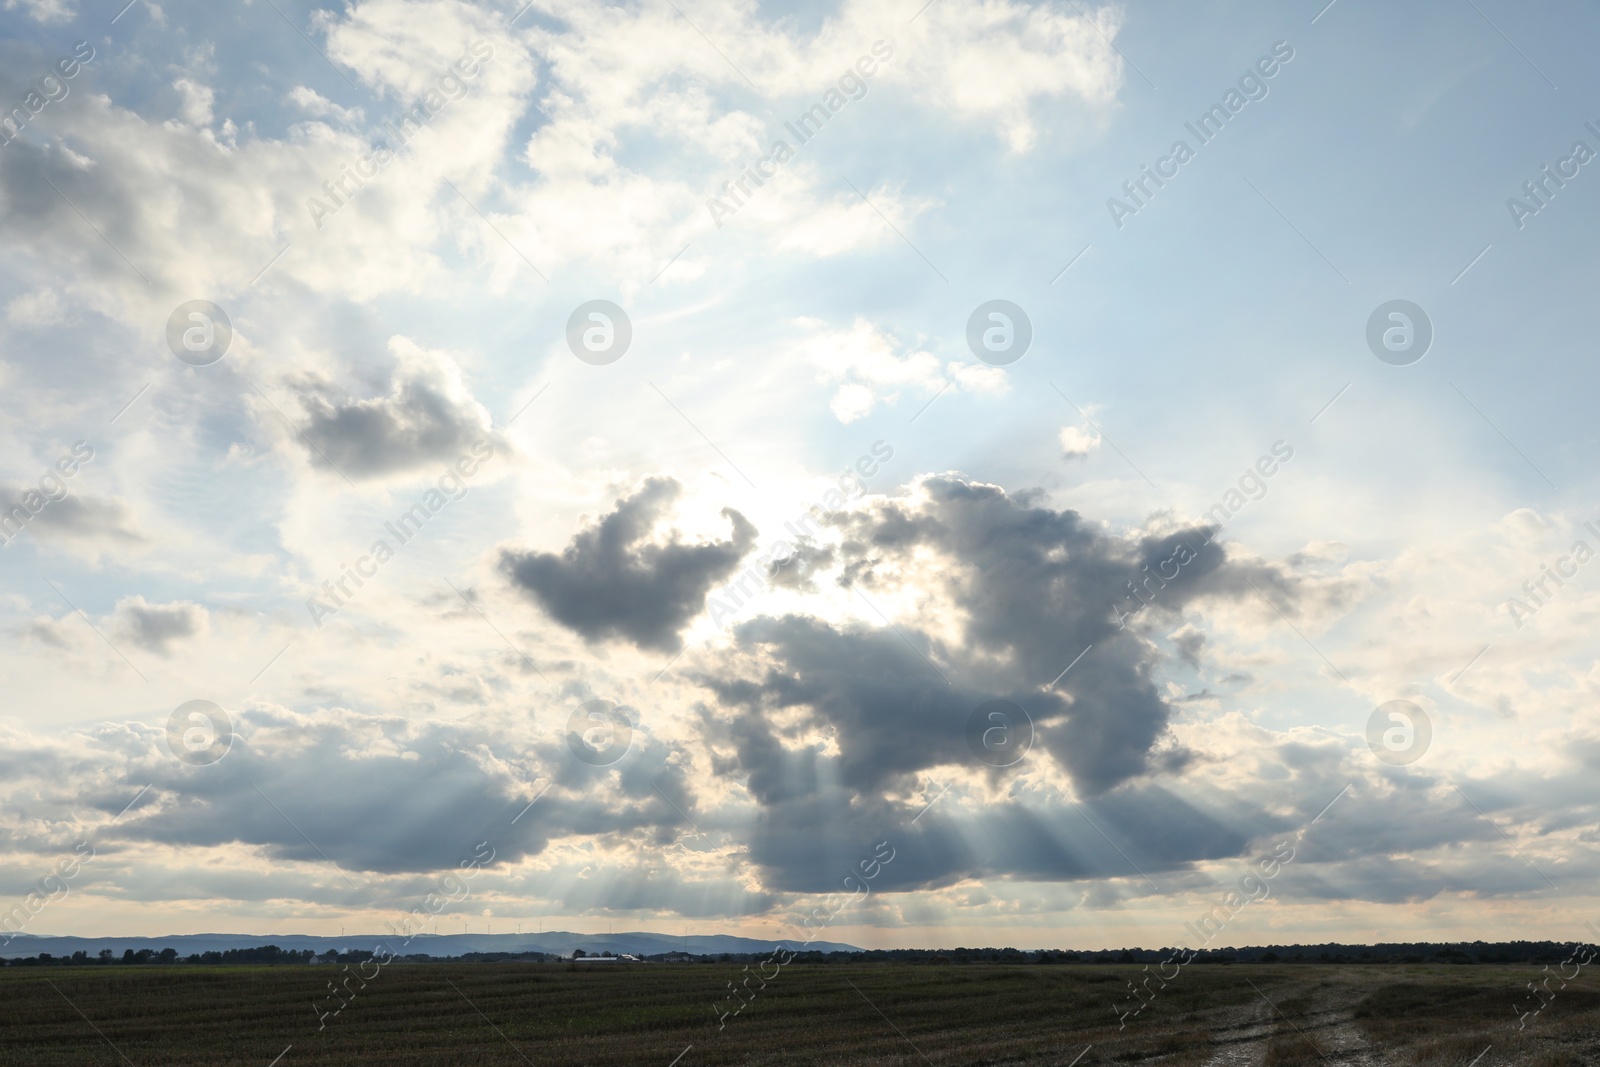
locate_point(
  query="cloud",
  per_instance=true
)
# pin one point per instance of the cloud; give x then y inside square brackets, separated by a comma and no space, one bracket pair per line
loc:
[91,518]
[40,307]
[886,708]
[613,72]
[835,726]
[992,62]
[376,792]
[198,209]
[1002,594]
[1189,642]
[799,570]
[82,521]
[871,367]
[156,627]
[45,11]
[1078,443]
[198,101]
[314,103]
[638,123]
[611,582]
[428,416]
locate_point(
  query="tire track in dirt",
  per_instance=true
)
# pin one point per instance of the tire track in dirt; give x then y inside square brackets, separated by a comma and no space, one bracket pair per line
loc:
[1345,1041]
[1246,1043]
[1328,1023]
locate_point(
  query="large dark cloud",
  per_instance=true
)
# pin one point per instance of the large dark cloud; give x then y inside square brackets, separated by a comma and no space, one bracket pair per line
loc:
[1030,589]
[1148,832]
[84,520]
[612,582]
[799,569]
[427,417]
[156,627]
[382,796]
[41,220]
[374,793]
[889,710]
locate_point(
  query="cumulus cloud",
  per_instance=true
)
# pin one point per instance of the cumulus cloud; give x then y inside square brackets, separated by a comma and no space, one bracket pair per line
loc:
[1077,442]
[799,570]
[1189,643]
[836,726]
[614,71]
[994,62]
[187,207]
[428,416]
[871,367]
[377,792]
[314,103]
[198,101]
[613,582]
[87,517]
[46,11]
[156,627]
[39,307]
[199,207]
[1009,594]
[85,522]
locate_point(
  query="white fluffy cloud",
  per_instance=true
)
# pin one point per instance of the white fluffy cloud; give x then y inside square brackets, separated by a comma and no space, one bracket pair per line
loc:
[1078,442]
[870,367]
[41,307]
[45,11]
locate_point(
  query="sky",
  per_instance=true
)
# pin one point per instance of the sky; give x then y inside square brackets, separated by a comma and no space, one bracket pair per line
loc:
[973,473]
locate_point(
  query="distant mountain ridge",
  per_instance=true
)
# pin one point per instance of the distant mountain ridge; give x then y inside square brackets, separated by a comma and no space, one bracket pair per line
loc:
[558,943]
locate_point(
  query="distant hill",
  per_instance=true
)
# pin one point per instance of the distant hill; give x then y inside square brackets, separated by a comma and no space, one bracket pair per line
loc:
[560,943]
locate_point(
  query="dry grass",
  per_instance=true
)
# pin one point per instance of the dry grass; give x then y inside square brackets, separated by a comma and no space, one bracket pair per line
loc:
[1448,1017]
[488,1014]
[857,1015]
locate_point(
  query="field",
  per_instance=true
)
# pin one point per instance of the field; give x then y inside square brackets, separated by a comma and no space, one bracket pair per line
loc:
[943,1015]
